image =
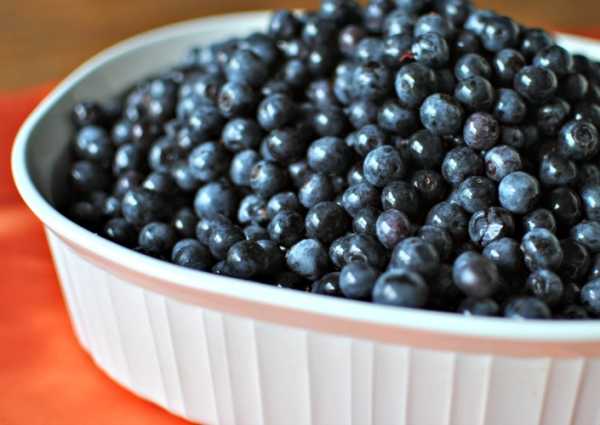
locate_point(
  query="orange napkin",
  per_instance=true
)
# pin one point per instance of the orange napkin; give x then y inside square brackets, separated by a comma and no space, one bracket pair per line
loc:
[45,377]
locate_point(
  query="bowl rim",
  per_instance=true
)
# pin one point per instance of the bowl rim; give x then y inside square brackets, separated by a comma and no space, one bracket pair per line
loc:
[173,277]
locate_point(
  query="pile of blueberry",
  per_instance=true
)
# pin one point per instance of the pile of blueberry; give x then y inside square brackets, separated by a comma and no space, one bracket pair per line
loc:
[415,153]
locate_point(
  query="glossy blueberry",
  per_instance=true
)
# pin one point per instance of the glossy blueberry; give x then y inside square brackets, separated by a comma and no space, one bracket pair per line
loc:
[245,66]
[527,308]
[284,25]
[395,49]
[326,221]
[451,217]
[471,65]
[275,111]
[535,84]
[191,254]
[308,258]
[425,149]
[499,32]
[93,144]
[398,22]
[431,49]
[317,187]
[371,81]
[574,87]
[129,157]
[361,113]
[163,154]
[590,296]
[576,260]
[587,233]
[519,192]
[284,201]
[579,140]
[329,284]
[120,231]
[374,14]
[364,222]
[460,163]
[286,228]
[358,248]
[236,99]
[240,134]
[539,218]
[252,209]
[556,59]
[267,178]
[481,131]
[216,198]
[397,119]
[391,227]
[590,196]
[255,232]
[368,138]
[357,279]
[274,255]
[157,238]
[429,185]
[221,236]
[142,206]
[246,259]
[414,82]
[501,161]
[545,285]
[416,254]
[329,155]
[126,182]
[86,176]
[208,161]
[184,222]
[87,113]
[533,41]
[486,226]
[556,170]
[369,49]
[400,288]
[565,205]
[439,238]
[507,63]
[509,107]
[506,254]
[479,307]
[551,115]
[466,42]
[475,93]
[475,275]
[286,145]
[383,165]
[541,250]
[241,167]
[477,20]
[401,196]
[433,22]
[476,193]
[205,122]
[441,114]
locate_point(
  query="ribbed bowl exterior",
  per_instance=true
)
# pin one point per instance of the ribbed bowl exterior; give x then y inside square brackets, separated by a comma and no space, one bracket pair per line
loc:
[216,368]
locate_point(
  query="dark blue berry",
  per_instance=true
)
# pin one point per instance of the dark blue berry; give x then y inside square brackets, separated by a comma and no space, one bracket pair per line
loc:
[475,275]
[192,254]
[400,288]
[479,307]
[535,84]
[357,279]
[541,250]
[471,65]
[286,228]
[441,114]
[223,236]
[120,231]
[157,238]
[539,218]
[527,308]
[216,198]
[308,258]
[506,254]
[519,192]
[328,285]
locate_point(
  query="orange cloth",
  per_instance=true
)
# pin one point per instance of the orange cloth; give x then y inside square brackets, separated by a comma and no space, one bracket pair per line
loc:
[45,376]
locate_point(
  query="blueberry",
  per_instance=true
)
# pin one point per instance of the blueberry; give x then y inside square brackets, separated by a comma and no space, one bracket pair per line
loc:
[533,41]
[223,236]
[574,312]
[441,114]
[129,157]
[502,160]
[576,260]
[509,107]
[425,149]
[87,113]
[433,22]
[349,38]
[475,275]
[539,218]
[216,198]
[163,154]
[383,165]
[397,119]
[429,185]
[451,217]
[479,307]
[475,93]
[252,209]
[329,284]
[590,196]
[401,196]
[507,63]
[535,84]
[416,254]
[391,227]
[329,155]
[374,15]
[284,25]
[371,81]
[579,140]
[527,308]
[326,221]
[111,207]
[414,82]
[236,99]
[362,112]
[551,116]
[120,231]
[87,176]
[93,144]
[499,32]
[157,238]
[246,259]
[286,145]
[365,220]
[460,163]
[398,22]
[142,206]
[286,228]
[506,254]
[355,174]
[541,250]
[565,205]
[244,66]
[431,49]
[471,65]
[358,248]
[369,49]
[255,232]
[545,285]
[574,87]
[338,250]
[126,182]
[267,178]
[357,279]
[395,49]
[191,254]
[519,192]
[274,255]
[275,111]
[587,233]
[481,131]
[240,134]
[476,193]
[439,238]
[466,42]
[556,59]
[284,201]
[400,288]
[241,167]
[368,138]
[316,188]
[205,122]
[308,258]
[477,20]
[494,223]
[208,161]
[590,296]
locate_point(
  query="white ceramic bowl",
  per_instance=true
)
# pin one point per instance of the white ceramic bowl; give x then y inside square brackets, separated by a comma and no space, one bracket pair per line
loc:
[223,351]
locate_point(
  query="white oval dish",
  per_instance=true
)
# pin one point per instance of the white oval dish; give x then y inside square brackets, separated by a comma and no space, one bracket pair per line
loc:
[219,350]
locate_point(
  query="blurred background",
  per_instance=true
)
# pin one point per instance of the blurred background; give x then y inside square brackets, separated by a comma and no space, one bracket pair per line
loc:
[43,40]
